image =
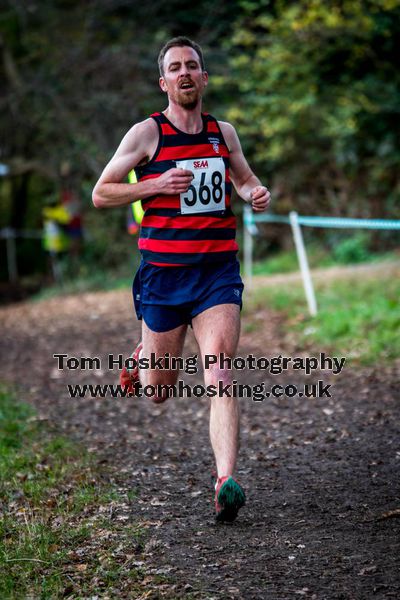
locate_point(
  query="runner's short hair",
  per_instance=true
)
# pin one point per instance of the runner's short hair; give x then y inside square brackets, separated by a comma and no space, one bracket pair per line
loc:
[179,42]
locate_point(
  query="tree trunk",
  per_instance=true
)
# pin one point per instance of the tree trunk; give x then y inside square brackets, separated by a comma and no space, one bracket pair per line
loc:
[19,195]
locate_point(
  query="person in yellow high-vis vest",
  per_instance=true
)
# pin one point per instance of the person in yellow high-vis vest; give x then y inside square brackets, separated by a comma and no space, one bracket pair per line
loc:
[135,212]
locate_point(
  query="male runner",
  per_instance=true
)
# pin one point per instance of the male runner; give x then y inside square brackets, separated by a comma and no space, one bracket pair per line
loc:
[185,161]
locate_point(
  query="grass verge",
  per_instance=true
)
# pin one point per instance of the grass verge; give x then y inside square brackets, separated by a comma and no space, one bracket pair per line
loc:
[359,319]
[65,528]
[318,258]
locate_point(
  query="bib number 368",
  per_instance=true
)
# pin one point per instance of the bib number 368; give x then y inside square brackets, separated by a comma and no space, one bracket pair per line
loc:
[207,190]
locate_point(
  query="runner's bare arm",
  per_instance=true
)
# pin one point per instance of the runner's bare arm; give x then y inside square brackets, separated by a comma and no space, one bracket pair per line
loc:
[138,145]
[246,183]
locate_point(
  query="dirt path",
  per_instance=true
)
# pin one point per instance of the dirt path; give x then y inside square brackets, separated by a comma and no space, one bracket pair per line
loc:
[320,474]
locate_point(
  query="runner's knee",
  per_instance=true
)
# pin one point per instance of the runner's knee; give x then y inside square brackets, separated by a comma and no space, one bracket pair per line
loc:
[214,374]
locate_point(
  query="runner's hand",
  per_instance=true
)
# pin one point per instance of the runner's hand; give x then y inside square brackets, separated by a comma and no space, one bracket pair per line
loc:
[260,198]
[174,181]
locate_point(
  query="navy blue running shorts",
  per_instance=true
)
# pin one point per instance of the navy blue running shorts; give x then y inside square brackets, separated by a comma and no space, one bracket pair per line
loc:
[167,297]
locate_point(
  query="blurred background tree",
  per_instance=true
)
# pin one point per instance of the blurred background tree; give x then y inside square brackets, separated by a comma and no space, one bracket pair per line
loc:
[318,96]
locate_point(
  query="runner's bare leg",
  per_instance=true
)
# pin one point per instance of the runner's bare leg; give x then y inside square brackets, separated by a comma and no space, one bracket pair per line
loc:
[159,344]
[217,330]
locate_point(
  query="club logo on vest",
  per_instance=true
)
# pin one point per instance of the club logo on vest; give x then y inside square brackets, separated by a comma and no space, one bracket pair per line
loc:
[215,144]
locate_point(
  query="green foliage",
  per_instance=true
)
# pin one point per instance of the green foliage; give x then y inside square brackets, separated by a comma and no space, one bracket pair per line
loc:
[313,87]
[363,317]
[359,319]
[353,250]
[74,78]
[319,93]
[283,262]
[338,250]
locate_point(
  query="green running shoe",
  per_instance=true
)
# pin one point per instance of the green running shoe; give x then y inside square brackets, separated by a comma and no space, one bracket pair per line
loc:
[229,498]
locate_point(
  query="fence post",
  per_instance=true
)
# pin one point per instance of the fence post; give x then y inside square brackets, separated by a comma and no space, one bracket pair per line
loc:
[303,262]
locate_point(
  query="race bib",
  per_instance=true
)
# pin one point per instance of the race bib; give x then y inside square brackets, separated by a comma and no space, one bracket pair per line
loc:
[207,190]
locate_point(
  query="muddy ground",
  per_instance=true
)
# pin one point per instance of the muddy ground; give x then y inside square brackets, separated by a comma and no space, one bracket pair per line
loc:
[321,475]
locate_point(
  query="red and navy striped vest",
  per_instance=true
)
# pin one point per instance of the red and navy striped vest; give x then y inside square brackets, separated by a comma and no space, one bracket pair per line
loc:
[198,226]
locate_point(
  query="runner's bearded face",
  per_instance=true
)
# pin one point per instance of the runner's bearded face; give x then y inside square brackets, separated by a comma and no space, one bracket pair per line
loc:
[183,79]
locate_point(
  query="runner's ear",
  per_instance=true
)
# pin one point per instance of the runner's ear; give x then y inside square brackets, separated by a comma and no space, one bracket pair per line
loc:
[163,84]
